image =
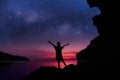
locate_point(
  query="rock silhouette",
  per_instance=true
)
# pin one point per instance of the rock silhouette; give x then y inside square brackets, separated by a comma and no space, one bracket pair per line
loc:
[70,72]
[9,57]
[101,55]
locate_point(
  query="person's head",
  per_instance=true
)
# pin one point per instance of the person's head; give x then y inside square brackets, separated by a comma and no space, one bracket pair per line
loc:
[58,43]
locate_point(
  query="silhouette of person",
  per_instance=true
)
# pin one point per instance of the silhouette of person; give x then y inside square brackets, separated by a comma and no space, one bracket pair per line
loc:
[58,50]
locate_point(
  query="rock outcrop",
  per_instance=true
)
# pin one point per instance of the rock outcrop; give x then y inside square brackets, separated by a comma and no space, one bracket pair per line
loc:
[9,57]
[102,53]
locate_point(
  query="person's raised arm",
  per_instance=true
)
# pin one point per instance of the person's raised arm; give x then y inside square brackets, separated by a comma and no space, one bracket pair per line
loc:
[51,43]
[65,45]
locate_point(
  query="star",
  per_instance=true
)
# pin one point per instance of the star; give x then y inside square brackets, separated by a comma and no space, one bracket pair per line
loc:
[10,16]
[27,2]
[31,17]
[18,13]
[86,27]
[77,32]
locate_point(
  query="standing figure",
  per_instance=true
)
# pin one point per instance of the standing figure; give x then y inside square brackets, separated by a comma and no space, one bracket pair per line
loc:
[58,49]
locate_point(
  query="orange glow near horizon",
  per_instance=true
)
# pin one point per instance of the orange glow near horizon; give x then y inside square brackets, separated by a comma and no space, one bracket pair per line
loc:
[69,55]
[54,63]
[47,54]
[69,58]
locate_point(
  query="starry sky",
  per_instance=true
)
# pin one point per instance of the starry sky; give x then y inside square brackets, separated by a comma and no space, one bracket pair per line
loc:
[27,25]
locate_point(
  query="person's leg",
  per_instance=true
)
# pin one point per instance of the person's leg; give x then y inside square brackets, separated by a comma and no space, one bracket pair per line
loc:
[64,62]
[58,64]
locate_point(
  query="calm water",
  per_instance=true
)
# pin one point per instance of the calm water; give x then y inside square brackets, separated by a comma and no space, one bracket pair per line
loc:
[17,70]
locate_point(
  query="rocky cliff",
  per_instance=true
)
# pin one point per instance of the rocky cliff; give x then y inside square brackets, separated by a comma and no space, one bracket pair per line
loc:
[102,53]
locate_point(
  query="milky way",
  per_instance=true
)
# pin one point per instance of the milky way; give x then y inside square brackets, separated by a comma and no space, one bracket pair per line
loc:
[29,24]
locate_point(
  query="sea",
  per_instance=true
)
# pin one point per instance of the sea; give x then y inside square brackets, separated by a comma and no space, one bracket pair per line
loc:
[18,70]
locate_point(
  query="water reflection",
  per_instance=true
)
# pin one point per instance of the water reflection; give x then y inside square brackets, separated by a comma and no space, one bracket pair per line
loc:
[18,70]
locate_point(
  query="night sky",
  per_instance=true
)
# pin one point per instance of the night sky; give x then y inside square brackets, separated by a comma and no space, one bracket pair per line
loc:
[27,25]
